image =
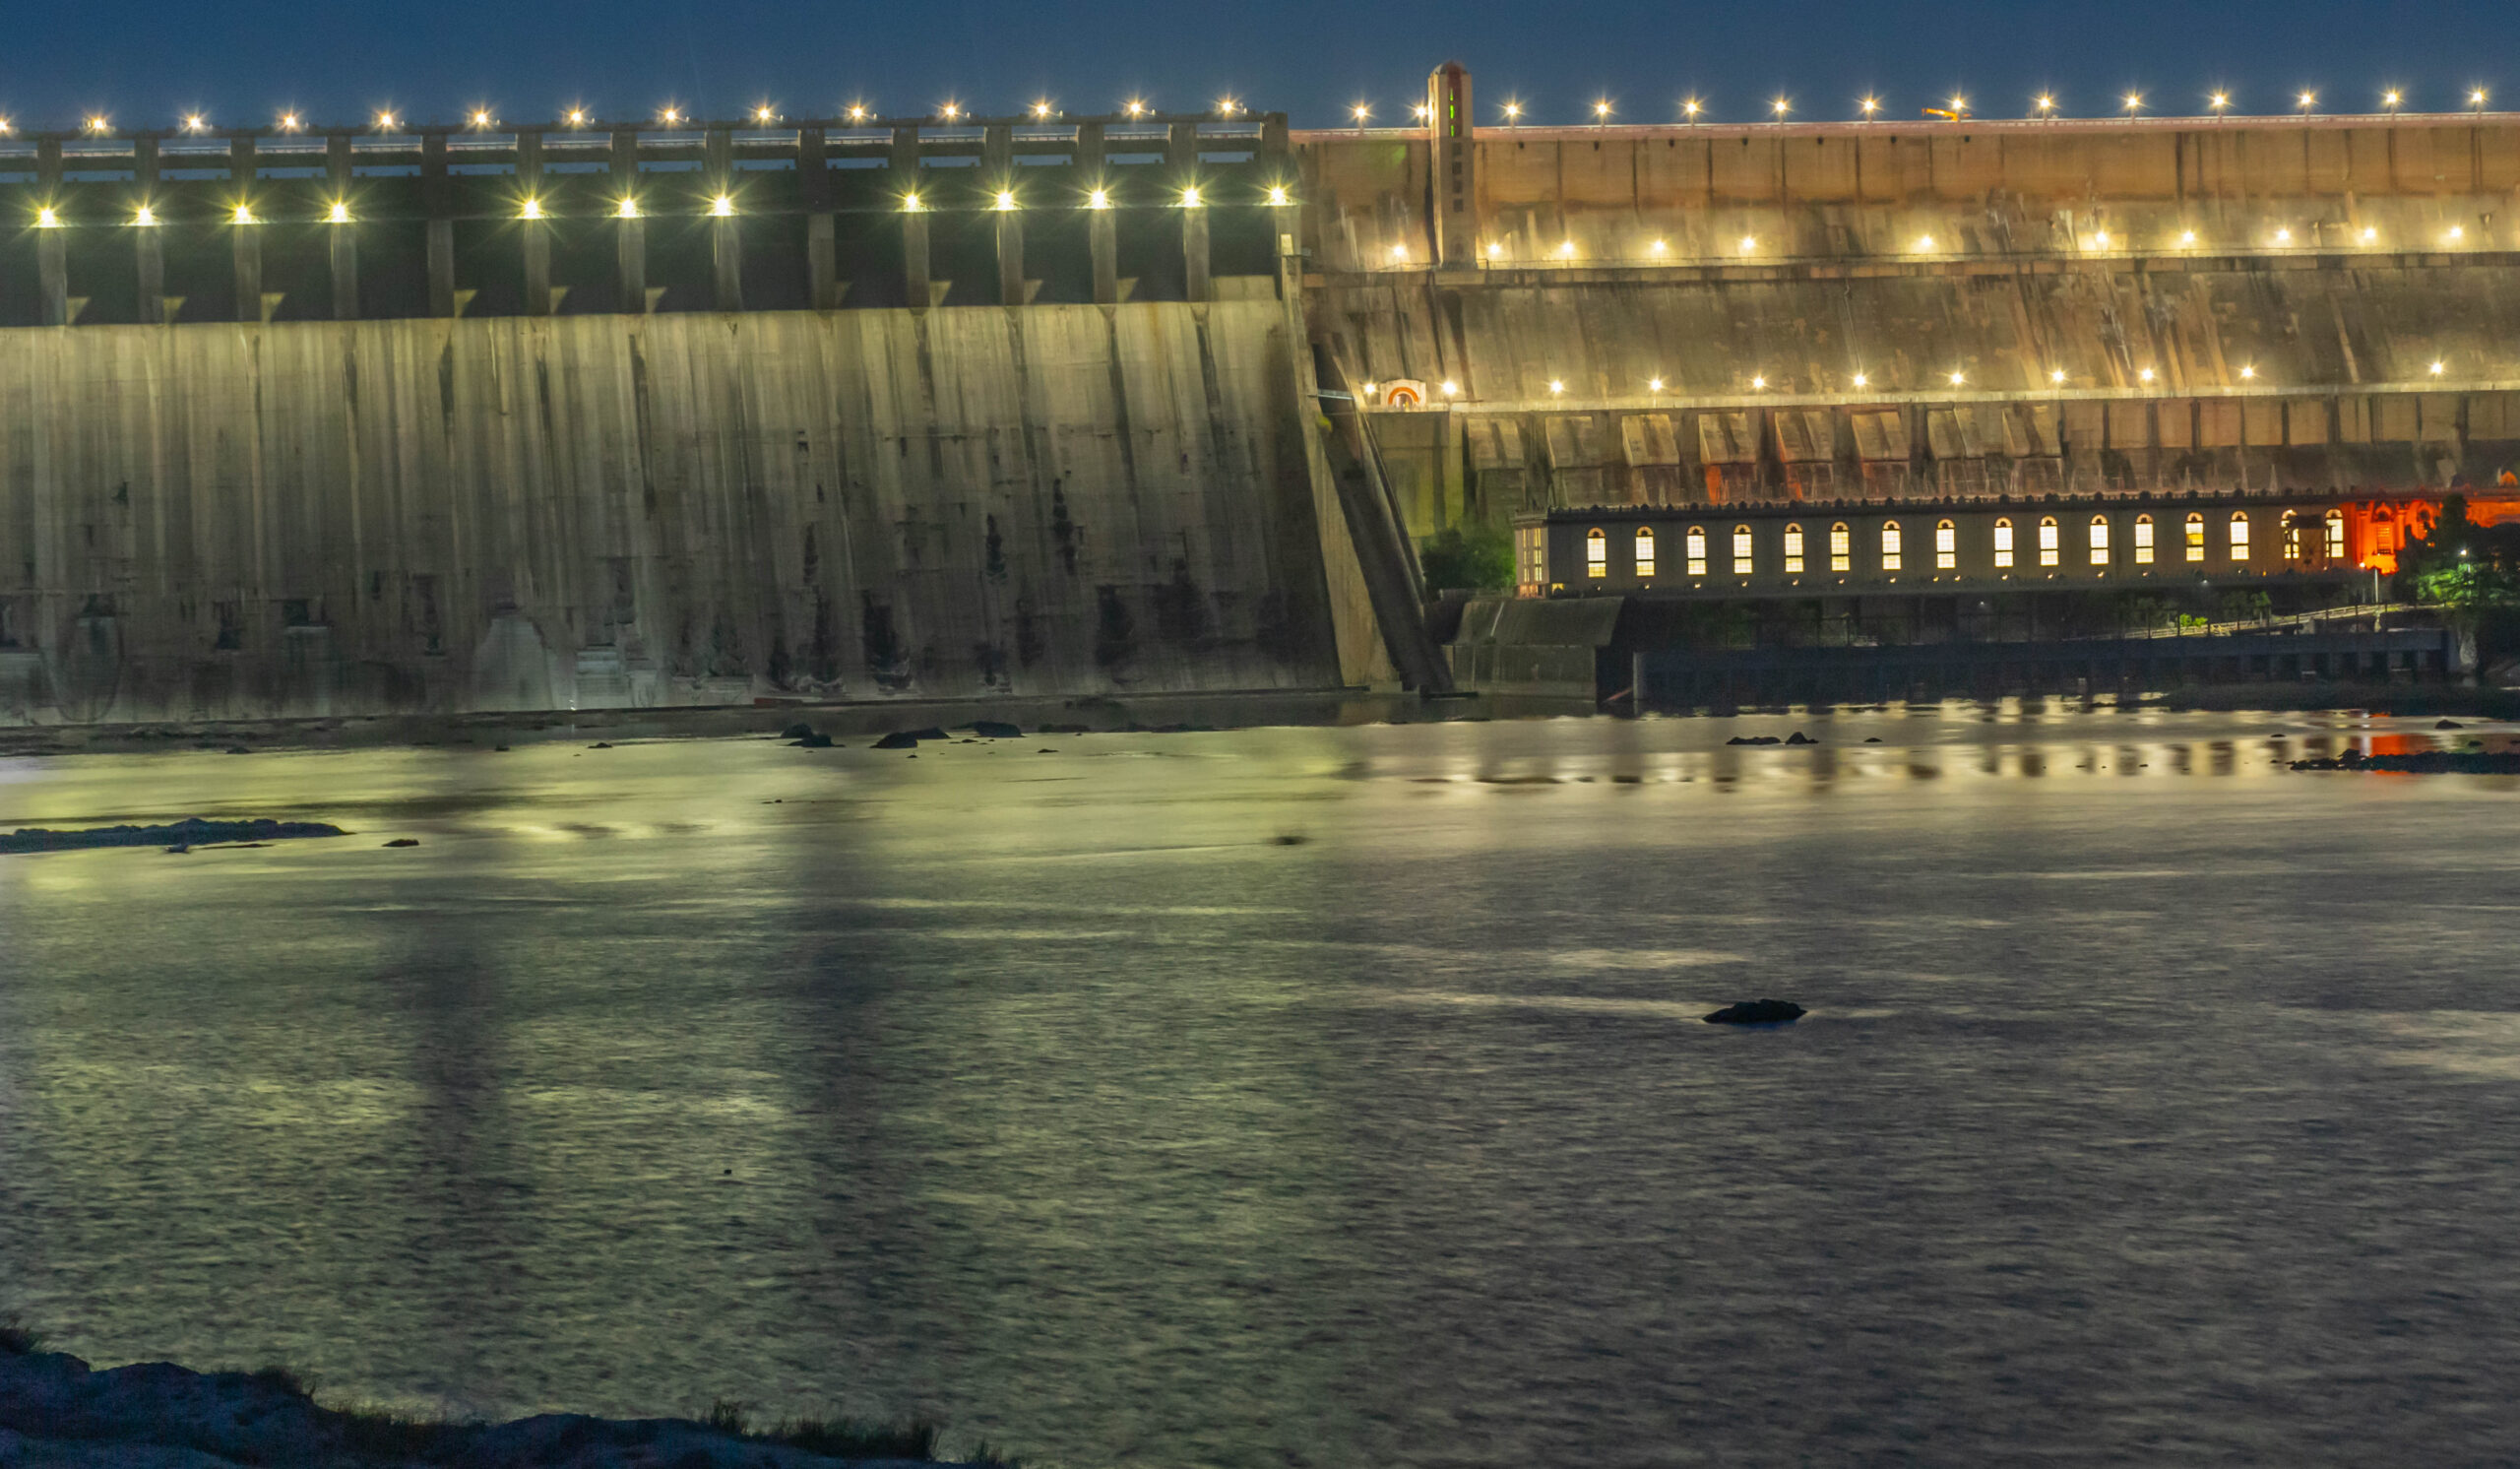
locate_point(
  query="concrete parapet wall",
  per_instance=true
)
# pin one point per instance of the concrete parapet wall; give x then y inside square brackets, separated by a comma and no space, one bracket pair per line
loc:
[250,521]
[1879,190]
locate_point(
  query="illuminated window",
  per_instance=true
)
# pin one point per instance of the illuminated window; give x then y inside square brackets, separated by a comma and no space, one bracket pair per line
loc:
[2291,528]
[1597,552]
[2195,536]
[2143,540]
[1530,546]
[2336,535]
[2003,543]
[2240,535]
[1946,545]
[1889,545]
[1741,551]
[1695,542]
[2047,541]
[1840,548]
[2100,541]
[1645,550]
[1793,551]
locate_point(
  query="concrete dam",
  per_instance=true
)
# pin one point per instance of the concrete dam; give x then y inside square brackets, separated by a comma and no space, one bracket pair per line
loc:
[587,413]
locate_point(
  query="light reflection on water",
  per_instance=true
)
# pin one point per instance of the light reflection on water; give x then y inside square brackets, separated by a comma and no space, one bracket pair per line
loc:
[2156,1103]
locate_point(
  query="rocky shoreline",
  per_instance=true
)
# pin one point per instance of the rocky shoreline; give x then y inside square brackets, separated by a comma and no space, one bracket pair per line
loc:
[58,1413]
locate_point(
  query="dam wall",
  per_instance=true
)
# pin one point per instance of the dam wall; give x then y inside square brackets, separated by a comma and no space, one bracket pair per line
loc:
[253,520]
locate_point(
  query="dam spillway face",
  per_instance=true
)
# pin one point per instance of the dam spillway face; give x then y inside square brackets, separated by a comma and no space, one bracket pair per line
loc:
[601,415]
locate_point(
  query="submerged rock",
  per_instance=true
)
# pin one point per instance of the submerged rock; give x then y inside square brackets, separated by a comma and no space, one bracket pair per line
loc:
[899,739]
[797,731]
[810,740]
[1758,1013]
[1754,739]
[991,729]
[2429,762]
[404,841]
[190,832]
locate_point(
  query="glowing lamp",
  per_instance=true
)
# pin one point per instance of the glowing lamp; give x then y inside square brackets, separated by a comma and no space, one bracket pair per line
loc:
[532,209]
[1278,194]
[1957,378]
[1006,199]
[1451,389]
[339,214]
[1099,199]
[628,209]
[480,117]
[244,214]
[290,123]
[2435,369]
[2056,375]
[146,216]
[1653,385]
[47,219]
[1190,197]
[1759,382]
[1556,386]
[1862,380]
[2248,372]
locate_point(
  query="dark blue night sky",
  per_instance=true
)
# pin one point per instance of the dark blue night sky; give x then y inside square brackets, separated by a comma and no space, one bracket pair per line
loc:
[146,63]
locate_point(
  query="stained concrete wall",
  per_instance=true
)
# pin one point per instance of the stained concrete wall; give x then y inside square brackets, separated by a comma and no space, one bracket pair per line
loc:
[244,521]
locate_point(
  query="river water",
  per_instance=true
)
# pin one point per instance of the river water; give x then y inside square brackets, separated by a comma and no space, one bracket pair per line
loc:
[1308,1096]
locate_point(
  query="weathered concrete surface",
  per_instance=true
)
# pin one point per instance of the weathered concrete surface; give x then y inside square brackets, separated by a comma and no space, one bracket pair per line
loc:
[245,521]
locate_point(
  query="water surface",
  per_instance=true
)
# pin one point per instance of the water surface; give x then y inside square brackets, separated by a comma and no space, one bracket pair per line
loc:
[1308,1096]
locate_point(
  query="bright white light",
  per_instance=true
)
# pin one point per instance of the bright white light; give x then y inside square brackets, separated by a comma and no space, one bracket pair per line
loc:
[2047,103]
[1781,106]
[2220,101]
[1137,107]
[339,214]
[669,116]
[1006,199]
[2188,237]
[577,117]
[2369,234]
[1925,242]
[1420,111]
[2436,369]
[2455,232]
[1657,248]
[1693,106]
[2134,102]
[2144,376]
[910,205]
[2056,374]
[2307,100]
[289,122]
[857,111]
[1749,242]
[1359,111]
[244,214]
[1602,108]
[47,219]
[1099,199]
[1862,380]
[1957,378]
[950,112]
[1227,106]
[1566,251]
[1513,110]
[2248,372]
[2100,238]
[147,216]
[1960,104]
[2388,99]
[480,117]
[97,123]
[2476,96]
[1451,389]
[627,209]
[764,115]
[1190,197]
[387,122]
[195,123]
[1758,382]
[1041,108]
[532,209]
[1653,385]
[1555,386]
[2283,236]
[1871,106]
[1278,194]
[1399,252]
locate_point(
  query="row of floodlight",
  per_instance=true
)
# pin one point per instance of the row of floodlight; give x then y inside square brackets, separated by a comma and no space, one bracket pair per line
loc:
[764,115]
[2057,377]
[1925,244]
[1954,109]
[722,206]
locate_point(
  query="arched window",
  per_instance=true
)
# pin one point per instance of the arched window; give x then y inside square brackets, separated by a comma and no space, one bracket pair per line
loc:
[1741,551]
[2336,535]
[1946,545]
[1840,548]
[2290,527]
[1792,550]
[1696,545]
[2003,543]
[2240,535]
[1889,545]
[2195,536]
[1597,552]
[2143,540]
[1644,550]
[2100,541]
[2047,541]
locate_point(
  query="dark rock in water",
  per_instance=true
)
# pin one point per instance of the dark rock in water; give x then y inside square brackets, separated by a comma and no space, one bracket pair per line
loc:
[989,728]
[899,739]
[404,841]
[1758,1013]
[179,852]
[1754,739]
[797,731]
[599,745]
[1798,738]
[2449,723]
[1873,740]
[501,750]
[2429,762]
[810,740]
[191,832]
